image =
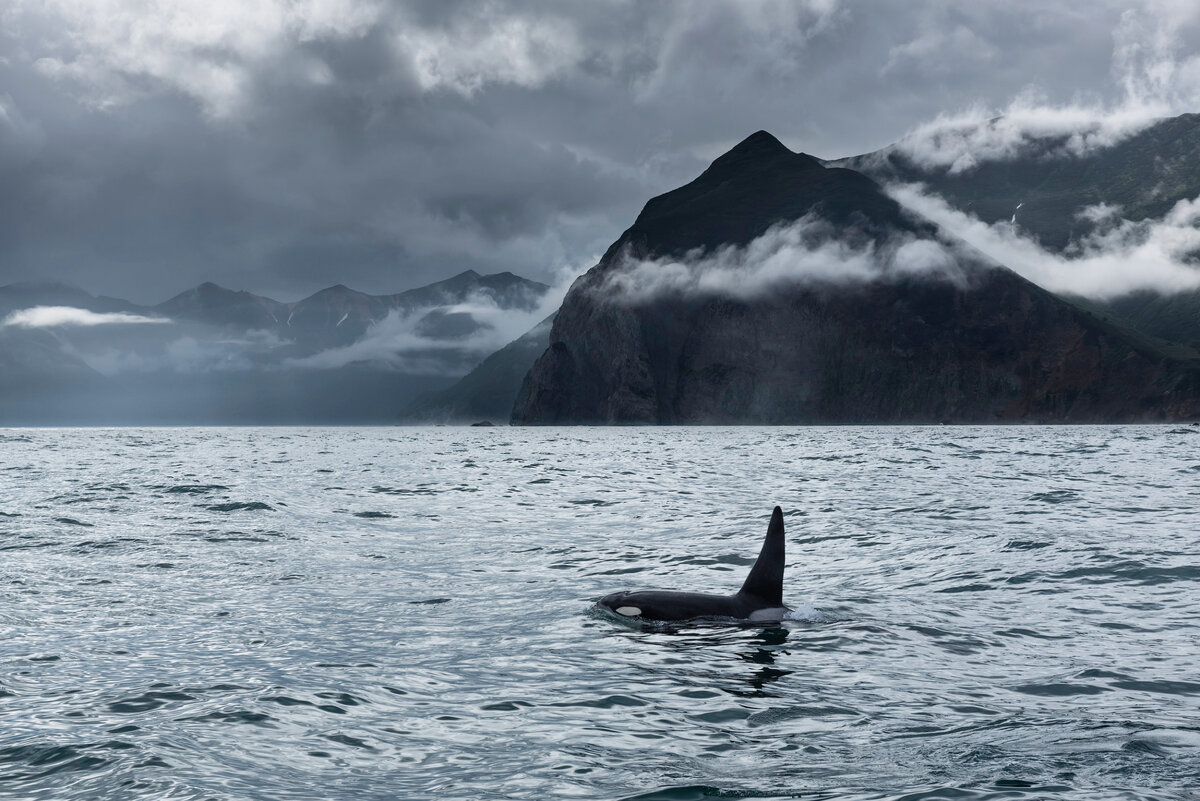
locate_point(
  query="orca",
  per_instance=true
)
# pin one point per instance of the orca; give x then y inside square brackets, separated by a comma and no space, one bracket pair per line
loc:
[759,599]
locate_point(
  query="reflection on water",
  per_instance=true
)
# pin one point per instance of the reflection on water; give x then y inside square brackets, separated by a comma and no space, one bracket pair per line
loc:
[981,613]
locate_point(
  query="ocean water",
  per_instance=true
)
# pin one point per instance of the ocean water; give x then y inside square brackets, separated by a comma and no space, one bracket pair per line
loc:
[395,613]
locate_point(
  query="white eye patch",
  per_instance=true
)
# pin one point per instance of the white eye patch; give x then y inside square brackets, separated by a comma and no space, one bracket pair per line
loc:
[628,611]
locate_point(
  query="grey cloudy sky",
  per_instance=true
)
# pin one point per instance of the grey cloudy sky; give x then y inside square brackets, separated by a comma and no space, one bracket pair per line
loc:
[282,146]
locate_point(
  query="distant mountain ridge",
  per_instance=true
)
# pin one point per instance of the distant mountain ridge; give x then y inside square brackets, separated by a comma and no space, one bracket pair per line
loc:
[757,184]
[331,317]
[339,315]
[237,357]
[212,303]
[215,304]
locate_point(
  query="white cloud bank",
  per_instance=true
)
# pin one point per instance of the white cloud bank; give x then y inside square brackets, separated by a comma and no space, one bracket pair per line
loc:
[1157,75]
[960,142]
[807,251]
[1155,71]
[1121,256]
[58,316]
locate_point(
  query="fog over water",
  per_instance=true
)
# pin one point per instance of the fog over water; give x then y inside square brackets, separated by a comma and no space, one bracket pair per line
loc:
[305,613]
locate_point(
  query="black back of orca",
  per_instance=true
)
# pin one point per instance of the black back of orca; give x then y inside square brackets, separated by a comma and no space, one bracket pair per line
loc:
[760,598]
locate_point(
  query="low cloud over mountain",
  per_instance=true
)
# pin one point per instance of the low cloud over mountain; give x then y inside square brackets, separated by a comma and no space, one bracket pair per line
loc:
[68,316]
[808,251]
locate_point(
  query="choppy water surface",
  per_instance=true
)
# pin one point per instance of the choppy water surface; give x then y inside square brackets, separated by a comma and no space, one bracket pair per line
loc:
[404,613]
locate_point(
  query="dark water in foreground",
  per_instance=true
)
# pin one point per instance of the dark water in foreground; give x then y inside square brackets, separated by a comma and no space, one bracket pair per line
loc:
[982,613]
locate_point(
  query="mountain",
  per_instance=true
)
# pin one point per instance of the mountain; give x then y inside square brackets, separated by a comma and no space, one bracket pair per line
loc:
[441,319]
[755,185]
[332,317]
[338,316]
[1142,176]
[505,290]
[489,390]
[217,305]
[223,356]
[972,343]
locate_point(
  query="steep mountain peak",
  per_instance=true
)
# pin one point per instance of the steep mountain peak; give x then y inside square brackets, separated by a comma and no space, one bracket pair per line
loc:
[206,291]
[464,279]
[455,283]
[760,149]
[507,280]
[335,291]
[757,184]
[214,304]
[759,144]
[209,288]
[211,291]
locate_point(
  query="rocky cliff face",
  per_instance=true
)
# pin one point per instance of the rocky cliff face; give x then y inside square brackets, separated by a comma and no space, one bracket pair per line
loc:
[976,344]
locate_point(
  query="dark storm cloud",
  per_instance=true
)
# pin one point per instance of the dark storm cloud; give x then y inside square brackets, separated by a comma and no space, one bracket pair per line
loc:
[282,147]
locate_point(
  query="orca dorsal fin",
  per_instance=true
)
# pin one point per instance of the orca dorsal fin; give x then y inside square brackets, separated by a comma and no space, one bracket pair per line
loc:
[765,581]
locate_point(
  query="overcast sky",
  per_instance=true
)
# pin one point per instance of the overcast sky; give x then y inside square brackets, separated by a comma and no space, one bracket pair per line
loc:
[282,146]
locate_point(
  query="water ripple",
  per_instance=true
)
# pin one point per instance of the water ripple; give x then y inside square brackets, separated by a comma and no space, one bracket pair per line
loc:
[979,613]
